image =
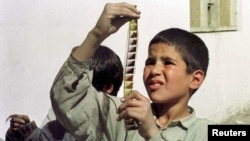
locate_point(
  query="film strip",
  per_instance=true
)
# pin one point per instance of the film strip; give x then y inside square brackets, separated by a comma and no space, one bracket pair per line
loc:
[130,60]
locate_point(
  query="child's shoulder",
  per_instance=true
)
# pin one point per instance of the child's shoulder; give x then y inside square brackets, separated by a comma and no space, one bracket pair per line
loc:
[114,99]
[204,121]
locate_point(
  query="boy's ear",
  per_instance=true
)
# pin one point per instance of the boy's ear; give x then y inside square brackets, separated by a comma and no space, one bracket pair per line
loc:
[197,79]
[109,89]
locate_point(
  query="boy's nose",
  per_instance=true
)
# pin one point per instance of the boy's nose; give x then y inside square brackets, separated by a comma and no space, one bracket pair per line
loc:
[156,69]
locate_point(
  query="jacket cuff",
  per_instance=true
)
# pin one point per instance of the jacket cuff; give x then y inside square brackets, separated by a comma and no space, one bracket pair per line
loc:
[27,129]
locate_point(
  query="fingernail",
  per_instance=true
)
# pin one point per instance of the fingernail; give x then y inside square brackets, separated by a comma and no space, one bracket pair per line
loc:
[122,99]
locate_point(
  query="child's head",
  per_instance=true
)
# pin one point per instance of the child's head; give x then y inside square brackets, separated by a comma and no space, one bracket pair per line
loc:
[176,66]
[108,70]
[193,50]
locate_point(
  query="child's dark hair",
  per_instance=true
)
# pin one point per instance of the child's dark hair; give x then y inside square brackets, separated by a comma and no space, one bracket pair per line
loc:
[108,69]
[193,50]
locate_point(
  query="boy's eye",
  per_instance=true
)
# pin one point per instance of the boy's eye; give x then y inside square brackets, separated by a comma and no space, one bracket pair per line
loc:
[149,62]
[167,62]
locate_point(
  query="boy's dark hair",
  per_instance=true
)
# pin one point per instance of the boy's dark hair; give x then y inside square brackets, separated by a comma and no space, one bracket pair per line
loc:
[193,50]
[108,69]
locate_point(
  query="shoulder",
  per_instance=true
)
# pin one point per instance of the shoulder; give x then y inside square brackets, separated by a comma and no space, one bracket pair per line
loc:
[198,121]
[204,121]
[113,99]
[198,131]
[200,125]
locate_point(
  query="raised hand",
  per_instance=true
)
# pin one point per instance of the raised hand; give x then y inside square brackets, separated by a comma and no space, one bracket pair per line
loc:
[114,16]
[138,107]
[17,121]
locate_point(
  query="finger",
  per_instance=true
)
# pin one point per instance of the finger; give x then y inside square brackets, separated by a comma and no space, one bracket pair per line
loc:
[25,118]
[129,103]
[16,126]
[128,113]
[122,115]
[129,10]
[122,10]
[21,119]
[134,99]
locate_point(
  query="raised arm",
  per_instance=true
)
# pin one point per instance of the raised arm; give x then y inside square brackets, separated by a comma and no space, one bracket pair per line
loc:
[86,113]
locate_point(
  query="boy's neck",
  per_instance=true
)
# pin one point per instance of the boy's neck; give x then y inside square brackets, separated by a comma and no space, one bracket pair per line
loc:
[166,114]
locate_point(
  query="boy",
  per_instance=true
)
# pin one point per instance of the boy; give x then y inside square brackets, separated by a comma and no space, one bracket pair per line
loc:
[108,77]
[175,68]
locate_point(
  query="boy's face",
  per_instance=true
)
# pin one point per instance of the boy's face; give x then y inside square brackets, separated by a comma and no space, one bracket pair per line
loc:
[165,76]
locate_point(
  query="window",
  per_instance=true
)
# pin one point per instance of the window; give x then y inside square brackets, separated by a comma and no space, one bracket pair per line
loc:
[212,15]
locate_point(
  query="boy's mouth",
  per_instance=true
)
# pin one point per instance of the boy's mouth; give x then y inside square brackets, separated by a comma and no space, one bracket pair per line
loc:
[154,84]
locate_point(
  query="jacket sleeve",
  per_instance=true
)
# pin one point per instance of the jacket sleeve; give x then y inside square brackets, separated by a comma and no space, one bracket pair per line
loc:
[82,110]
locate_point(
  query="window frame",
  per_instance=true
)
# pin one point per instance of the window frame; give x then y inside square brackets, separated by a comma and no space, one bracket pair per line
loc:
[210,17]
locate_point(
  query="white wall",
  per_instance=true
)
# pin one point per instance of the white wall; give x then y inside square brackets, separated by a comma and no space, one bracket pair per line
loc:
[226,89]
[37,36]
